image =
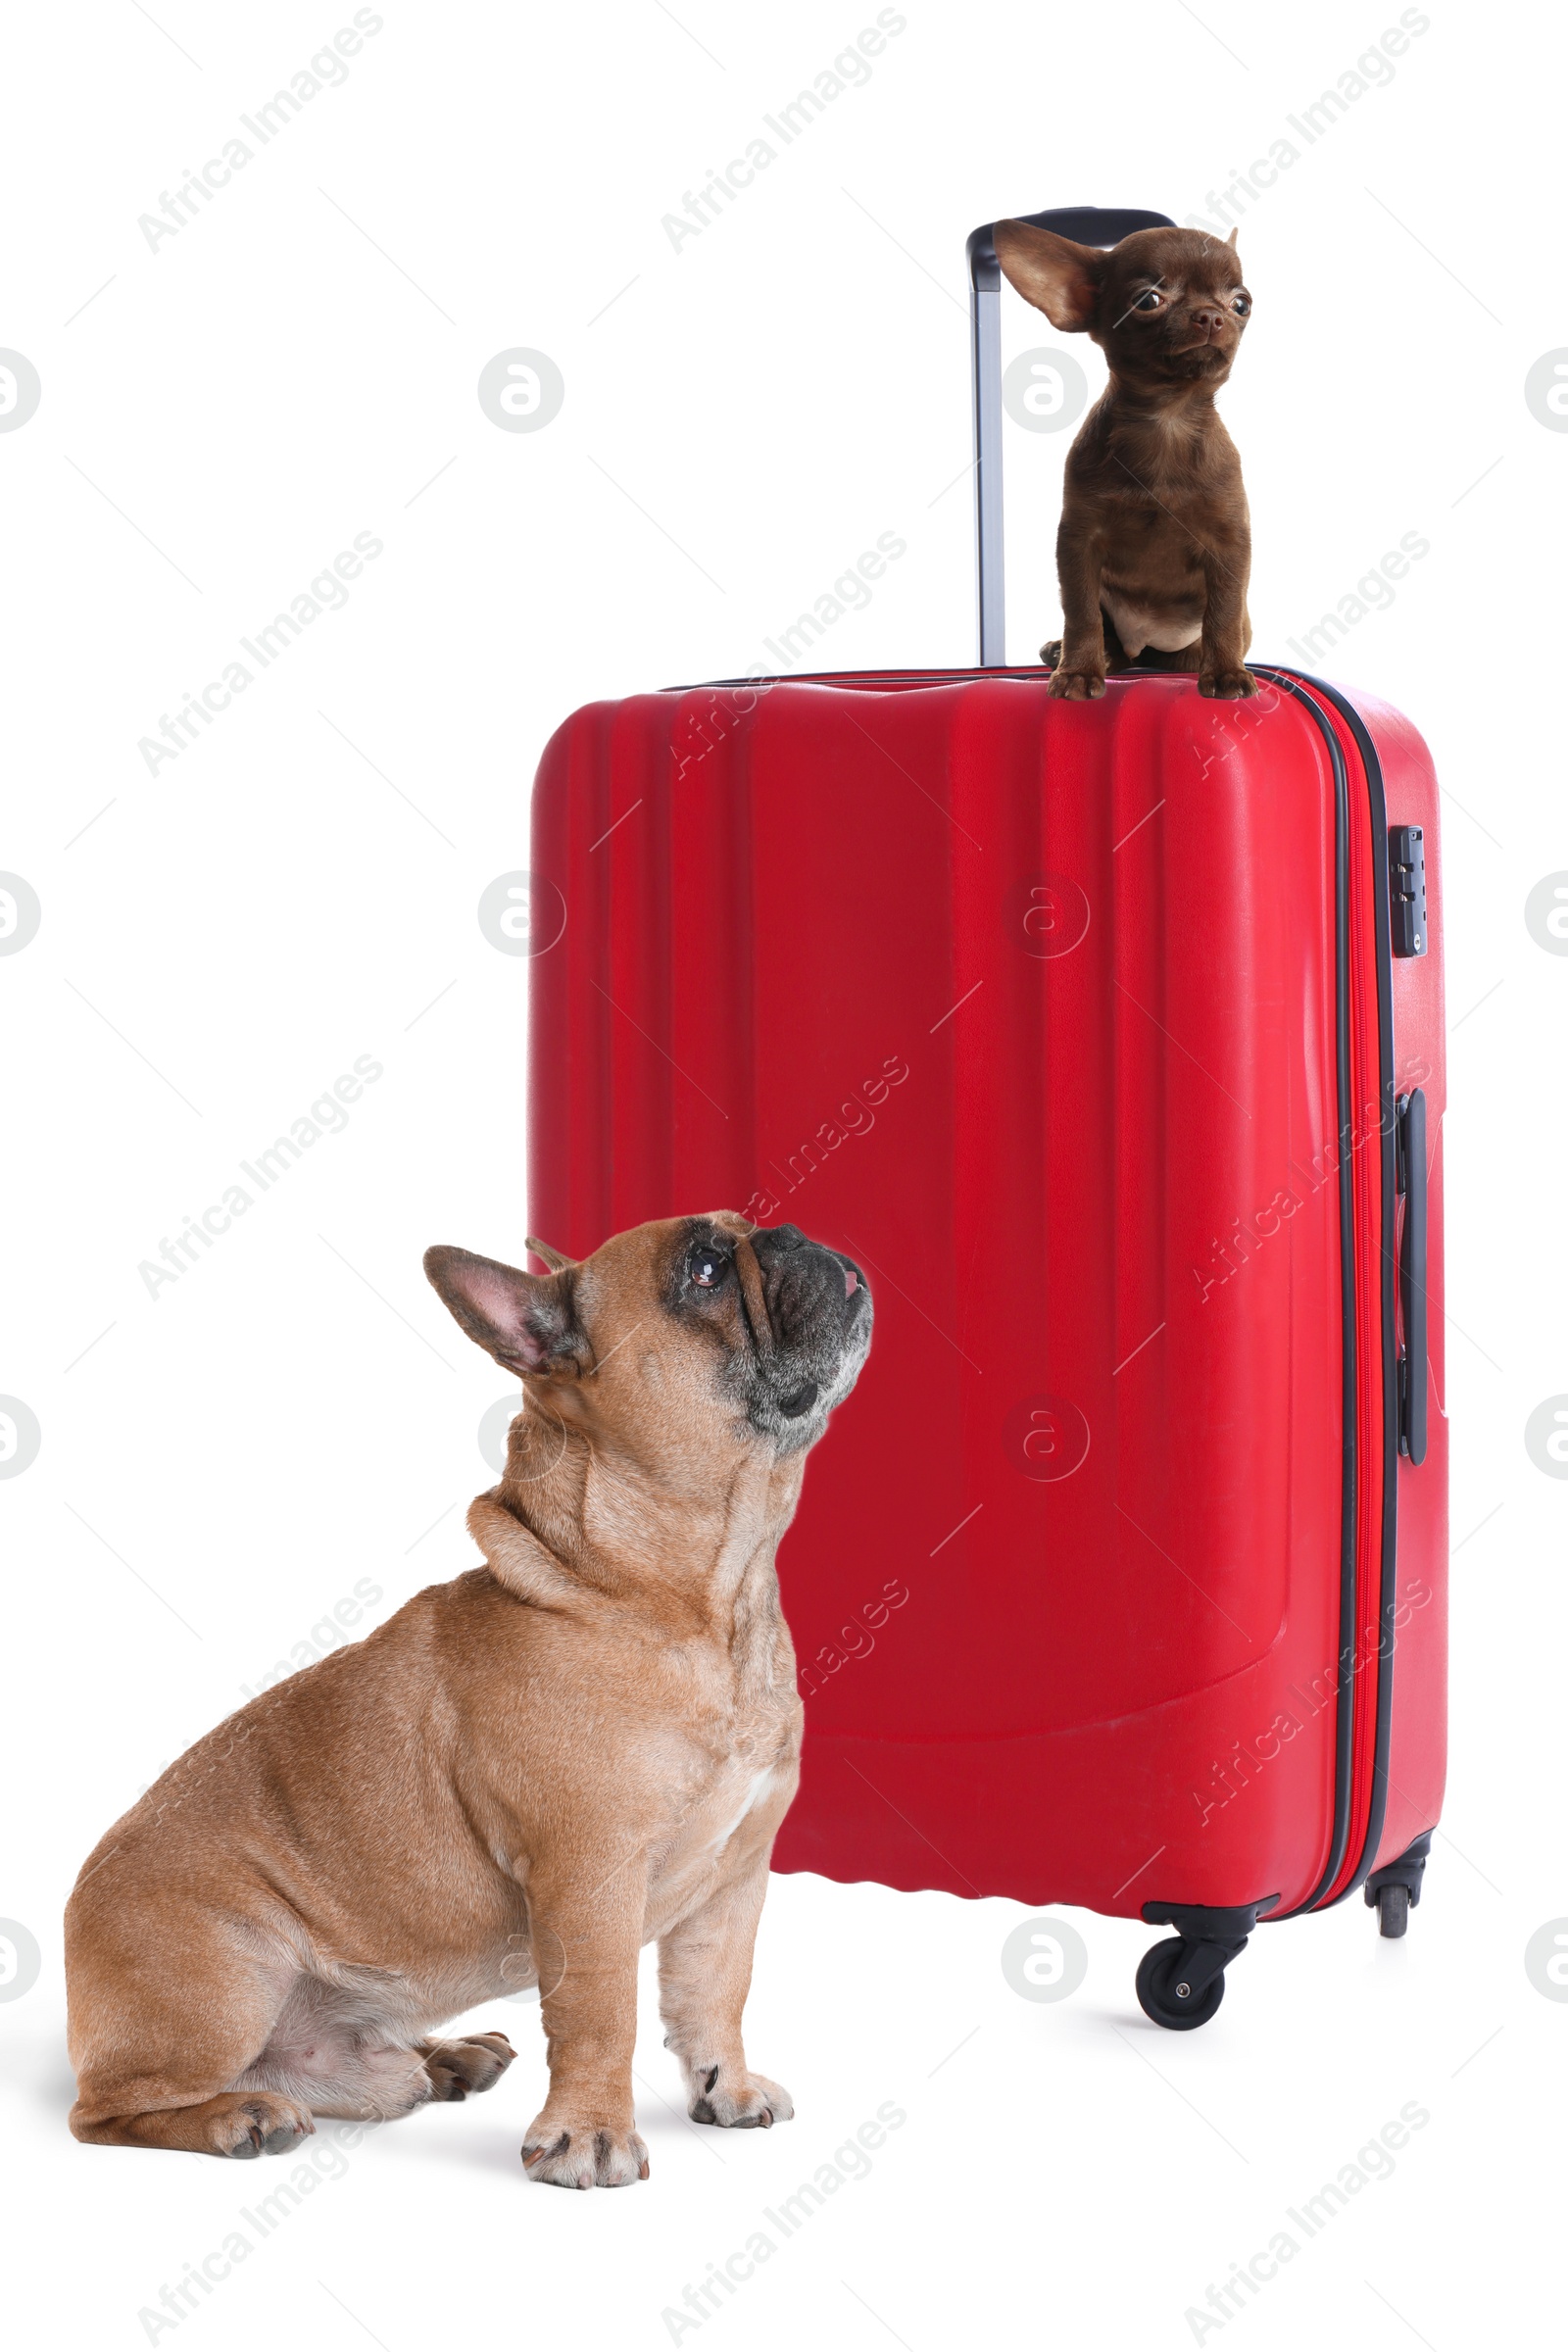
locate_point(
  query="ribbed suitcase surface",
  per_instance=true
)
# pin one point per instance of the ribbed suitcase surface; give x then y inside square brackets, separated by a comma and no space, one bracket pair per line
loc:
[1078,1025]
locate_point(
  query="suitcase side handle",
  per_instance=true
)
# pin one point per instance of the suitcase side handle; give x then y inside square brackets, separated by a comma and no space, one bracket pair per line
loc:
[1086,224]
[1412,1168]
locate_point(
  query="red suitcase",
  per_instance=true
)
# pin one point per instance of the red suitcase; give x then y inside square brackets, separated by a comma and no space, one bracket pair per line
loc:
[1108,1037]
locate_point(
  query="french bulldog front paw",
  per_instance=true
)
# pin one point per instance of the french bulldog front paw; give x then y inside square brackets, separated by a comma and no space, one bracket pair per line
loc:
[741,2103]
[1227,685]
[1077,685]
[582,2152]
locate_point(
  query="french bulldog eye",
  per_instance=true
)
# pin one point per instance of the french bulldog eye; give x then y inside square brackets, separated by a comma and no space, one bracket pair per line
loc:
[1148,302]
[709,1268]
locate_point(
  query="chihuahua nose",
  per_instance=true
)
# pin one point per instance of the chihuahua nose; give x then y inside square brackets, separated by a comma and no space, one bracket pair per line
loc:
[1207,322]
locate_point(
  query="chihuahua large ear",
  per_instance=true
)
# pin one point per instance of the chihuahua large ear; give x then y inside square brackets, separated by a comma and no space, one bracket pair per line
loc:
[1231,240]
[527,1322]
[1057,277]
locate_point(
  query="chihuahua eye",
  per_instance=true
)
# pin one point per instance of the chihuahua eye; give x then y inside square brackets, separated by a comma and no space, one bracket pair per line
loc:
[709,1268]
[1241,304]
[1148,302]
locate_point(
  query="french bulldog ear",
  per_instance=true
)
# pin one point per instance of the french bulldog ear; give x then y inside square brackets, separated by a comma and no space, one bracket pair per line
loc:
[555,1259]
[527,1322]
[1057,277]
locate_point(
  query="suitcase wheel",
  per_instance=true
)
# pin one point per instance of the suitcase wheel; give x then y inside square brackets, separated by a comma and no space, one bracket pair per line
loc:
[1395,1888]
[1394,1909]
[1179,1983]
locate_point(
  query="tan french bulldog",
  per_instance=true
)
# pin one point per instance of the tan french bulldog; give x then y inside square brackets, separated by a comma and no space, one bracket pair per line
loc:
[526,1773]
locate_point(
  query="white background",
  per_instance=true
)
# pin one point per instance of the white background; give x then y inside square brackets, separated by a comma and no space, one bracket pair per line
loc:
[222,1462]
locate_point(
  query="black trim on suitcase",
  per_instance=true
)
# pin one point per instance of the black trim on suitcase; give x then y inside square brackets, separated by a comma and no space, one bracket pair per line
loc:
[1383,1658]
[1349,1488]
[1388,1596]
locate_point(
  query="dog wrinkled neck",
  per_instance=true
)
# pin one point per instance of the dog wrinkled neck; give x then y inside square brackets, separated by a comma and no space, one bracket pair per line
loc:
[517,1557]
[570,1524]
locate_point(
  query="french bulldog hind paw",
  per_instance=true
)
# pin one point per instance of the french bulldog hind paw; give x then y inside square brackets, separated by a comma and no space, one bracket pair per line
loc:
[739,2102]
[458,2068]
[1227,685]
[1077,685]
[257,2124]
[584,2155]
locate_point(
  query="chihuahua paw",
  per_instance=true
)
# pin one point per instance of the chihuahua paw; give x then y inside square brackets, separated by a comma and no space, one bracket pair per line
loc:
[1050,651]
[1077,685]
[741,2103]
[582,2152]
[1227,685]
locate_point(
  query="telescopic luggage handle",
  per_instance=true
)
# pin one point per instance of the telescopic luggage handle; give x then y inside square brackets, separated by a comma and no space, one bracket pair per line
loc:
[1085,225]
[1411,1163]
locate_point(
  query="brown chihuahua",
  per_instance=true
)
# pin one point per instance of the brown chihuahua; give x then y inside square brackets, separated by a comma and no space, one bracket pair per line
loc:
[1155,545]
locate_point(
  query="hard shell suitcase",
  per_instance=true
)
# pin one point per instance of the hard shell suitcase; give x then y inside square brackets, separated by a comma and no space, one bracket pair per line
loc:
[1109,1038]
